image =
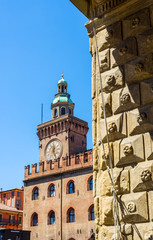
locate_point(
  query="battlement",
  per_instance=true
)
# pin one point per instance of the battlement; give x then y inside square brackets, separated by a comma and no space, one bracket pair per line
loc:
[77,161]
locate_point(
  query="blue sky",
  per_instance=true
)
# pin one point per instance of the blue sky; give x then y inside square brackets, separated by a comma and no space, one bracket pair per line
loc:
[39,39]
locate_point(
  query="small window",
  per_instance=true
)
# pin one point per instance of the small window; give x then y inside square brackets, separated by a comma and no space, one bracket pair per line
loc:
[18,194]
[55,112]
[62,111]
[51,218]
[70,111]
[51,190]
[71,215]
[91,214]
[12,194]
[35,193]
[19,220]
[70,187]
[90,184]
[11,219]
[4,195]
[1,218]
[34,219]
[18,203]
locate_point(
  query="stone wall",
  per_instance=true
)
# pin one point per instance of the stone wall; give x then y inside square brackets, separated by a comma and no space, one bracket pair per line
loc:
[125,45]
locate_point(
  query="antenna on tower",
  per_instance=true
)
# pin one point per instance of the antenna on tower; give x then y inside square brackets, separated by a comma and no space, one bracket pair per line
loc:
[42,113]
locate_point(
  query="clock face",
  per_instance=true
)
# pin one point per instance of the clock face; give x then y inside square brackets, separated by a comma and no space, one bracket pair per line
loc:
[53,150]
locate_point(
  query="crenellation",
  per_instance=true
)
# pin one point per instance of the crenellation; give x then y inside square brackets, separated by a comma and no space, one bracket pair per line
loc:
[81,160]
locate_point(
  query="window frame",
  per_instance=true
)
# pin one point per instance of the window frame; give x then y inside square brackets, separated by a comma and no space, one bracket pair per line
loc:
[50,191]
[33,224]
[35,195]
[70,215]
[69,187]
[51,218]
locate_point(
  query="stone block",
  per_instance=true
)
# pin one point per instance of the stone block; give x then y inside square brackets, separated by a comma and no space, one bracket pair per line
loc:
[121,181]
[145,42]
[104,58]
[95,183]
[142,177]
[116,127]
[146,89]
[106,211]
[139,69]
[95,159]
[112,79]
[143,231]
[150,199]
[140,120]
[96,209]
[106,232]
[124,52]
[108,105]
[110,36]
[136,23]
[126,98]
[131,151]
[131,209]
[148,141]
[151,11]
[104,155]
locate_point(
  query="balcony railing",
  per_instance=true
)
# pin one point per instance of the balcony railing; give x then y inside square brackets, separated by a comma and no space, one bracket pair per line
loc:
[4,222]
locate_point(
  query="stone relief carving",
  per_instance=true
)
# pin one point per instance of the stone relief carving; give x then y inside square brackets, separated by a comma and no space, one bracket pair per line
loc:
[141,177]
[106,155]
[112,79]
[126,51]
[109,36]
[146,89]
[140,120]
[116,127]
[136,23]
[108,105]
[133,211]
[131,207]
[129,150]
[104,60]
[139,69]
[145,42]
[126,98]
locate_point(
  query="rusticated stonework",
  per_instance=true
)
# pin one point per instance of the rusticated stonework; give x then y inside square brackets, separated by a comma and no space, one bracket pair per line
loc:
[125,49]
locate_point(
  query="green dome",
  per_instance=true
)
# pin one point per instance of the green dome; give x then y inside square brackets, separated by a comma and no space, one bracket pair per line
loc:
[62,99]
[62,80]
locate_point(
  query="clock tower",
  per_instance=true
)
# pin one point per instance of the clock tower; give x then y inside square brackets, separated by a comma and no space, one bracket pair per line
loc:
[65,134]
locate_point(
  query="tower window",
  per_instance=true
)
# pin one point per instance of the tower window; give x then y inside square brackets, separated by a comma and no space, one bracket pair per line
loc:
[70,215]
[90,184]
[55,112]
[62,111]
[62,89]
[35,193]
[70,112]
[51,190]
[91,214]
[51,217]
[34,219]
[70,187]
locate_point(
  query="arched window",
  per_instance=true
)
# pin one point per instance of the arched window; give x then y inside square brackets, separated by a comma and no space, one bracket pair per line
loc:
[70,187]
[35,193]
[70,215]
[51,217]
[71,239]
[91,214]
[34,219]
[51,190]
[70,112]
[62,111]
[55,112]
[90,183]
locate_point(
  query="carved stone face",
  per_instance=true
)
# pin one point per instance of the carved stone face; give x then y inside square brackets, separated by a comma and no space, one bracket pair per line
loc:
[135,22]
[142,118]
[128,150]
[138,68]
[125,98]
[109,35]
[112,128]
[131,207]
[146,175]
[123,51]
[111,80]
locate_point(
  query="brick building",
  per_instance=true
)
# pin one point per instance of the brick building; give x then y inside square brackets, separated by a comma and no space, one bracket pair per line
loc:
[58,197]
[11,209]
